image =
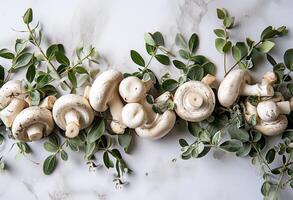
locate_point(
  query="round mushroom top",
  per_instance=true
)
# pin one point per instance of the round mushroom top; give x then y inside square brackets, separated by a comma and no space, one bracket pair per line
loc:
[103,89]
[11,89]
[32,116]
[73,102]
[229,88]
[195,101]
[132,89]
[268,111]
[133,115]
[160,127]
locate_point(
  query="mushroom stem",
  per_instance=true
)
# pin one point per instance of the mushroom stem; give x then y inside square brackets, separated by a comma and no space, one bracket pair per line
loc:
[35,131]
[256,90]
[86,92]
[148,84]
[209,80]
[194,100]
[150,114]
[9,113]
[116,106]
[72,124]
[48,102]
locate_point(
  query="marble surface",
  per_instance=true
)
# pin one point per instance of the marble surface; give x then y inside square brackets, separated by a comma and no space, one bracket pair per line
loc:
[115,27]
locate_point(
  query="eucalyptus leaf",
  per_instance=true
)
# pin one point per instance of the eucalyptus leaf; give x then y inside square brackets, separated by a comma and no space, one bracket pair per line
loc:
[96,131]
[158,38]
[195,73]
[193,42]
[61,58]
[163,59]
[220,33]
[49,164]
[28,16]
[220,43]
[179,65]
[108,163]
[231,145]
[5,53]
[31,73]
[170,84]
[265,46]
[137,59]
[148,38]
[288,59]
[180,41]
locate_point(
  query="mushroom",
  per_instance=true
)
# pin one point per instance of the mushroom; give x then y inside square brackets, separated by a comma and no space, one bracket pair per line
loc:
[32,123]
[236,84]
[133,89]
[195,100]
[72,113]
[104,94]
[11,101]
[271,125]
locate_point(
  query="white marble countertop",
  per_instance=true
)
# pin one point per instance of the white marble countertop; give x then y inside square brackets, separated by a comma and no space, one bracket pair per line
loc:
[115,27]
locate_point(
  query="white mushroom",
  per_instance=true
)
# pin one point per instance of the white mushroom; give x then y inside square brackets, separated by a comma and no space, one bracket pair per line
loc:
[236,84]
[104,94]
[33,123]
[11,101]
[72,113]
[194,100]
[133,89]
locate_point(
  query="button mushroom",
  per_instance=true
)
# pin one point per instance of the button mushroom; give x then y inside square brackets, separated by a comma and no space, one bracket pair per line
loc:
[32,123]
[271,124]
[236,84]
[11,101]
[195,100]
[72,113]
[104,94]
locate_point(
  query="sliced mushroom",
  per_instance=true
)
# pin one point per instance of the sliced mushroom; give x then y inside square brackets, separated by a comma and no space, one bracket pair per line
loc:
[11,101]
[32,123]
[195,101]
[104,94]
[72,113]
[236,84]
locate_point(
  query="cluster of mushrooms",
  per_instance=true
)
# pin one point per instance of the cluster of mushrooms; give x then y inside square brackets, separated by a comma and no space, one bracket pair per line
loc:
[126,100]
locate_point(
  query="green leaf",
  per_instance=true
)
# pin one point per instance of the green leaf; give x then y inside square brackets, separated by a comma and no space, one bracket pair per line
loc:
[238,133]
[50,53]
[271,60]
[72,78]
[108,163]
[209,68]
[265,46]
[266,188]
[50,147]
[5,53]
[125,141]
[23,147]
[288,59]
[231,145]
[2,73]
[159,39]
[183,142]
[180,41]
[150,49]
[28,16]
[64,155]
[228,22]
[184,54]
[170,85]
[163,59]
[194,129]
[80,70]
[137,59]
[199,59]
[236,53]
[270,156]
[220,43]
[22,60]
[49,164]
[205,136]
[20,45]
[62,59]
[36,97]
[31,73]
[227,47]
[195,73]
[96,131]
[148,38]
[221,13]
[220,33]
[193,42]
[179,65]
[244,151]
[217,138]
[89,149]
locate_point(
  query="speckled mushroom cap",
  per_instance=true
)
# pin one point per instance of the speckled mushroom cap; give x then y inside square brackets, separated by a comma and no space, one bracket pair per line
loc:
[73,102]
[32,116]
[132,89]
[103,88]
[273,128]
[195,101]
[11,89]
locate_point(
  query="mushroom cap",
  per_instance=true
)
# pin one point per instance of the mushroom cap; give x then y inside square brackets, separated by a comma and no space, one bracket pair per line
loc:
[268,111]
[132,89]
[195,101]
[73,102]
[273,128]
[11,89]
[229,88]
[103,88]
[160,127]
[30,116]
[133,115]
